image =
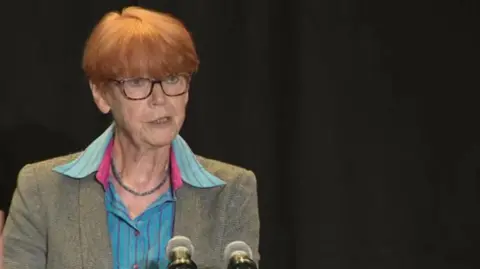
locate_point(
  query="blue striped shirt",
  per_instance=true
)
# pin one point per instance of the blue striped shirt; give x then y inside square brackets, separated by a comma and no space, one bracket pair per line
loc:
[139,243]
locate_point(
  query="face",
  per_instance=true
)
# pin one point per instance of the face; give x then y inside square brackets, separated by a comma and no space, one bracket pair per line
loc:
[151,122]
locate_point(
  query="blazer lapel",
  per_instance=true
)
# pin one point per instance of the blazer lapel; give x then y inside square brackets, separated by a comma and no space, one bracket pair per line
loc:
[194,218]
[94,234]
[190,208]
[185,209]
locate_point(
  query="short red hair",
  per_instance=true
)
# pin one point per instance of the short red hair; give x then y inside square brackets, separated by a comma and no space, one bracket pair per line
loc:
[138,42]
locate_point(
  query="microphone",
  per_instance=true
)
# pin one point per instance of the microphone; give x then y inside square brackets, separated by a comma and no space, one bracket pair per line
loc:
[180,252]
[239,256]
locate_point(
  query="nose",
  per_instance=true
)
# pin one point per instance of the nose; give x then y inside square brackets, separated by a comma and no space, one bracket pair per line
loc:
[158,96]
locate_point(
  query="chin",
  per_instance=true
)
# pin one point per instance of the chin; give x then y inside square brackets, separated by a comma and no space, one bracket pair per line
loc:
[161,139]
[160,143]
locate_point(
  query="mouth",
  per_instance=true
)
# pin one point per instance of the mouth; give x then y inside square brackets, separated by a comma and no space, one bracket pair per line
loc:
[162,120]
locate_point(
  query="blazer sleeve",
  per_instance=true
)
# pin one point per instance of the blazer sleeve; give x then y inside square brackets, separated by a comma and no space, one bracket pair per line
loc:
[25,228]
[244,223]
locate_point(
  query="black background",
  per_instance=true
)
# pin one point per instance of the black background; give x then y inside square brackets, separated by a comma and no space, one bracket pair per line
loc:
[362,161]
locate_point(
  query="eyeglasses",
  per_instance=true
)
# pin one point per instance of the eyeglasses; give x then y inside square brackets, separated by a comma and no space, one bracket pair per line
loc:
[142,88]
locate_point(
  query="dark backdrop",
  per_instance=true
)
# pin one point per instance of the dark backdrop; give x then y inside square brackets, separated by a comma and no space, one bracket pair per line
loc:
[358,166]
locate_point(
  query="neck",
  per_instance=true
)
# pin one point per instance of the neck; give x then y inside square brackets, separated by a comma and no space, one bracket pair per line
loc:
[139,167]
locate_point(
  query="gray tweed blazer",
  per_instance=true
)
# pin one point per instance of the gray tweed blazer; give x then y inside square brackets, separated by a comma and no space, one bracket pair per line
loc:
[56,222]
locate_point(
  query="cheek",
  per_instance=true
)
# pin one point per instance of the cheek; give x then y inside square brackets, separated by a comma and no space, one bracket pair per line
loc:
[179,106]
[126,113]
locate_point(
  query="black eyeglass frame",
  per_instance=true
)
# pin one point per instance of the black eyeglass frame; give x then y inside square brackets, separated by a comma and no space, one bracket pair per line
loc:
[121,84]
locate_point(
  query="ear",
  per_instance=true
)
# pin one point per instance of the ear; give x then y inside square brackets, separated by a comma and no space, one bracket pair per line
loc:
[99,97]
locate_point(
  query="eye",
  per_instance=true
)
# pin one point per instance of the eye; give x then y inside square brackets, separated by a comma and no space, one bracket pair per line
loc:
[171,79]
[137,82]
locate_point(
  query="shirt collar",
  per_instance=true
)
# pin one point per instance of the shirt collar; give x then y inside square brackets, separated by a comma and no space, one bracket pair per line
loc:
[103,171]
[190,170]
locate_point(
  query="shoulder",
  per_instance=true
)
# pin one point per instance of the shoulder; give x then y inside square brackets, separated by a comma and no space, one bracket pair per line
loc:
[46,166]
[233,175]
[42,172]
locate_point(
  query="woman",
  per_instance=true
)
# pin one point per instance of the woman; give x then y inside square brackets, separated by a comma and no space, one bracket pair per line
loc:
[117,203]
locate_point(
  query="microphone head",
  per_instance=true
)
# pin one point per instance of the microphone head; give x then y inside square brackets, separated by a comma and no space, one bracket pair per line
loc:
[180,242]
[237,247]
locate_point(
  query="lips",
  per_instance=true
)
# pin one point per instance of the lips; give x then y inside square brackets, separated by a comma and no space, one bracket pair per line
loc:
[161,120]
